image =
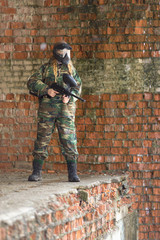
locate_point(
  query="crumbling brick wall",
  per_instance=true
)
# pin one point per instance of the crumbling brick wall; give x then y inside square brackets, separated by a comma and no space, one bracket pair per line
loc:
[97,209]
[116,52]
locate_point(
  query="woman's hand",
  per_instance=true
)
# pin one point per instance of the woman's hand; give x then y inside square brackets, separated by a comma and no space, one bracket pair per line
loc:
[51,92]
[65,99]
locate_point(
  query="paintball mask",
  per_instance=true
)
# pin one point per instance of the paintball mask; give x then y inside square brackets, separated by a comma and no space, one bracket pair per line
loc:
[61,52]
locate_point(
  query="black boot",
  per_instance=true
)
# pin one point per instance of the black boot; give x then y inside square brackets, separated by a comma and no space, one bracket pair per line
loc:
[72,172]
[37,172]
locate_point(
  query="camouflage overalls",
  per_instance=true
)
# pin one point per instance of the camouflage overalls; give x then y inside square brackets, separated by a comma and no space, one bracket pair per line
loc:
[53,111]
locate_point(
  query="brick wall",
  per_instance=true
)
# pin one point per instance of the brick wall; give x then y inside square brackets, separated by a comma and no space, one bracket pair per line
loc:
[116,52]
[98,30]
[100,208]
[116,132]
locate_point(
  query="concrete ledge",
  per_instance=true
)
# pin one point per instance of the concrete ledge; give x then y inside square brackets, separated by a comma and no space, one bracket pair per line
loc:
[57,209]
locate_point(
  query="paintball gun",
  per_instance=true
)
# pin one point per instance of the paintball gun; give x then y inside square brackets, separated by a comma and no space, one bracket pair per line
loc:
[70,82]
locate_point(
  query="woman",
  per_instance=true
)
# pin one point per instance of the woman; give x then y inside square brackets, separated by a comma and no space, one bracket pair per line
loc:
[55,108]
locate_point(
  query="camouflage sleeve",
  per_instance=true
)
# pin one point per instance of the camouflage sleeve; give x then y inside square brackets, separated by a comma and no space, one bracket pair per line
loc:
[35,83]
[77,91]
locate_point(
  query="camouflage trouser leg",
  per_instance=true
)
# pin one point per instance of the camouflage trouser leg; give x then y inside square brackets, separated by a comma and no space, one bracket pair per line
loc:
[44,133]
[67,136]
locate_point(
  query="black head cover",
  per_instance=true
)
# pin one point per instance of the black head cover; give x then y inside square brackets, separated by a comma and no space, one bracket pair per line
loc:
[62,45]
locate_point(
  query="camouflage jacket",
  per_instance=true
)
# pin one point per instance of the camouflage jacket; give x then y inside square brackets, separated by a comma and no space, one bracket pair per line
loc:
[40,82]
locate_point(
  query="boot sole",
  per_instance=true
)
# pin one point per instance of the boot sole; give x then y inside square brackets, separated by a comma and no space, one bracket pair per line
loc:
[34,180]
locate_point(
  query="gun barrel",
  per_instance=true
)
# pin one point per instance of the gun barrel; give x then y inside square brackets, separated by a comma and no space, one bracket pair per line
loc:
[83,100]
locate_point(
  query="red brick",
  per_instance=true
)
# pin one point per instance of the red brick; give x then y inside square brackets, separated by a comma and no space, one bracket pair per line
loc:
[117,166]
[147,112]
[155,174]
[56,3]
[156,191]
[39,55]
[91,142]
[103,120]
[94,150]
[138,120]
[10,96]
[47,3]
[105,97]
[90,128]
[119,150]
[157,220]
[121,135]
[20,55]
[9,10]
[92,98]
[139,30]
[17,25]
[100,112]
[140,151]
[4,55]
[157,97]
[24,105]
[121,104]
[152,120]
[155,104]
[6,39]
[123,54]
[119,97]
[154,135]
[154,235]
[141,23]
[107,47]
[6,165]
[131,127]
[147,143]
[117,38]
[7,105]
[128,144]
[8,32]
[147,158]
[143,104]
[98,167]
[128,112]
[125,47]
[156,182]
[136,38]
[136,97]
[139,112]
[39,39]
[88,121]
[80,135]
[156,112]
[136,135]
[103,55]
[7,121]
[109,135]
[121,120]
[148,96]
[101,2]
[118,143]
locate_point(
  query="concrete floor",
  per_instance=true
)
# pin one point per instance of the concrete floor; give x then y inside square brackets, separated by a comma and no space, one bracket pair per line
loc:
[18,196]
